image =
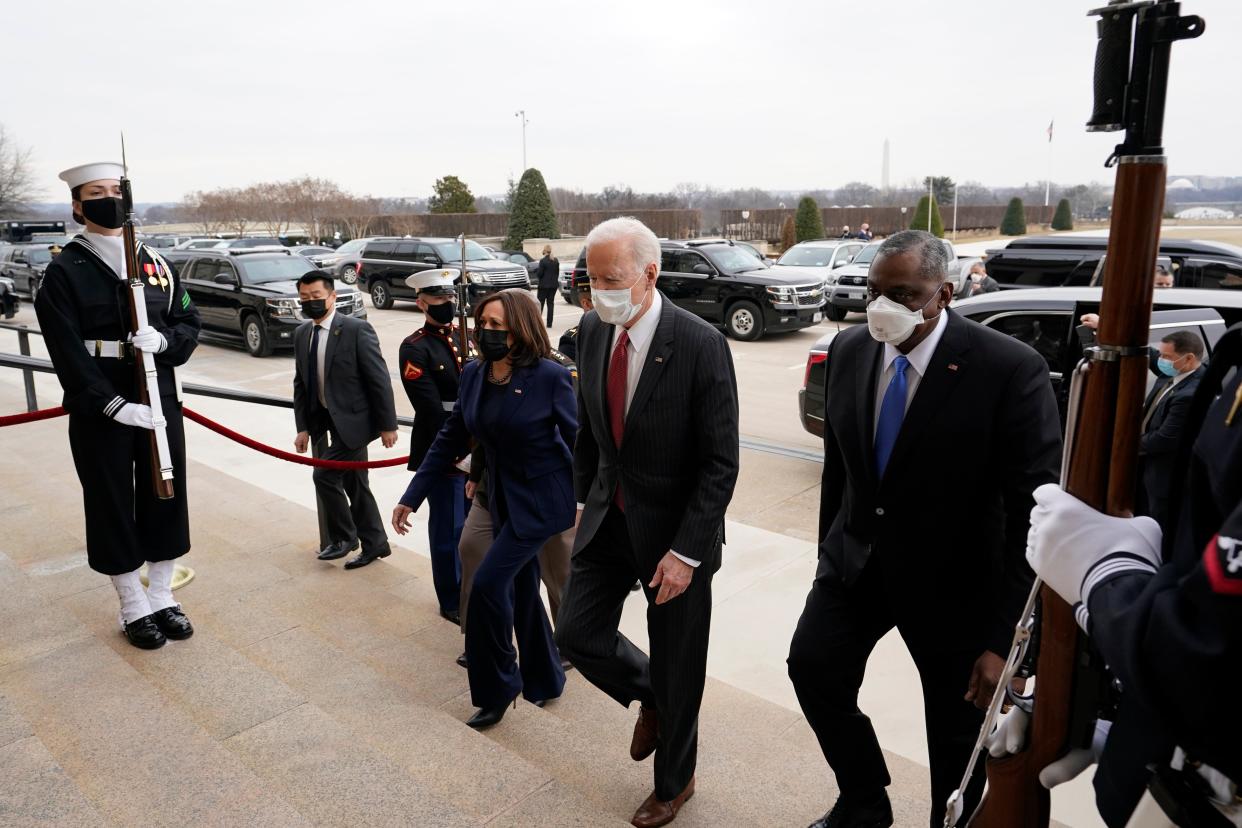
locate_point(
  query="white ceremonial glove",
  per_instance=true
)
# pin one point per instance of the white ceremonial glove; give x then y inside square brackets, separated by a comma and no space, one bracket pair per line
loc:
[136,415]
[148,339]
[1009,734]
[1068,539]
[1077,760]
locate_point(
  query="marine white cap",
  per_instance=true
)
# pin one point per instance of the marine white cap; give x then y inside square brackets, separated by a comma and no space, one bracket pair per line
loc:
[98,171]
[439,281]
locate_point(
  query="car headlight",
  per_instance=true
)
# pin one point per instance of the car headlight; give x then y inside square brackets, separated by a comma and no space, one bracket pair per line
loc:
[476,278]
[781,293]
[285,308]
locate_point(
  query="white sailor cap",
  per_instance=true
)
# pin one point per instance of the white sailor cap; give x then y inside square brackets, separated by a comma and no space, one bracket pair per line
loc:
[437,282]
[98,171]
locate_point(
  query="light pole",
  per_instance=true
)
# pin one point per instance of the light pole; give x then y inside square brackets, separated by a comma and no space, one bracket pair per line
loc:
[521,113]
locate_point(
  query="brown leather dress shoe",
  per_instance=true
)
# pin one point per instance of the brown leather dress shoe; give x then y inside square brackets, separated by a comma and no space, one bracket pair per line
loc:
[645,730]
[654,813]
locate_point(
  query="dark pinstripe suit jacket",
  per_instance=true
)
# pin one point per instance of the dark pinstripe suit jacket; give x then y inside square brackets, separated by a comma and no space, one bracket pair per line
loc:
[678,459]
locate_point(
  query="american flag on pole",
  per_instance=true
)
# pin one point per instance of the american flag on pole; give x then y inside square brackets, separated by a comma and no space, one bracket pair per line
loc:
[1050,132]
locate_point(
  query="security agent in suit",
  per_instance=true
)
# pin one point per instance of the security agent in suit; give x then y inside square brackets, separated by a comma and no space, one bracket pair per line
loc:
[1179,364]
[568,344]
[921,402]
[654,470]
[431,362]
[342,400]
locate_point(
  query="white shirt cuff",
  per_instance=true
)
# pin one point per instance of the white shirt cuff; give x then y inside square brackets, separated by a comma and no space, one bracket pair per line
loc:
[581,506]
[688,561]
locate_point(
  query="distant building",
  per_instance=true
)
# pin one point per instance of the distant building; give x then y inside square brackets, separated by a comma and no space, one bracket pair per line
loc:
[1202,213]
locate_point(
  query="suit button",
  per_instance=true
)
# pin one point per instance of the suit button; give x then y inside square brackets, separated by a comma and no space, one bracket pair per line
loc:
[879,510]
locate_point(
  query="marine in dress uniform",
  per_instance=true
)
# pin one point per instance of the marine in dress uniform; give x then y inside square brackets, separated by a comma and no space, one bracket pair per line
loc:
[431,362]
[83,310]
[1165,610]
[568,345]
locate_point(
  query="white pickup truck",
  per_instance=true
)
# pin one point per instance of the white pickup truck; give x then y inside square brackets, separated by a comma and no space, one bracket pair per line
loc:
[847,286]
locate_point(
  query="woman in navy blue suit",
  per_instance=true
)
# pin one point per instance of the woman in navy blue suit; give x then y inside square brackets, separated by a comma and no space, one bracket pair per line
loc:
[520,405]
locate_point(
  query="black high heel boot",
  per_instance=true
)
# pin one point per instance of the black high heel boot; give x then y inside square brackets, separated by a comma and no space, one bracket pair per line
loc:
[485,717]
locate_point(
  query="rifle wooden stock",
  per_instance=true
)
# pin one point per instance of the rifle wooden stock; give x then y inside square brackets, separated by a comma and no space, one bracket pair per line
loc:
[1102,473]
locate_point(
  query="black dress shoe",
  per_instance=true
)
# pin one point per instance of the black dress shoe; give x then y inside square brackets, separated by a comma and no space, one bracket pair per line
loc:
[144,633]
[173,623]
[566,664]
[858,812]
[363,558]
[453,616]
[337,549]
[485,717]
[461,661]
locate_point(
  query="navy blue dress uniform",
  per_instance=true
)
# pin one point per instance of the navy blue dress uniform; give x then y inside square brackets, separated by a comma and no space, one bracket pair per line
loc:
[83,311]
[1170,629]
[431,363]
[527,428]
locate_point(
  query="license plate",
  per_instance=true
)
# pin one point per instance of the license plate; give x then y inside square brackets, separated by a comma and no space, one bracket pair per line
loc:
[815,317]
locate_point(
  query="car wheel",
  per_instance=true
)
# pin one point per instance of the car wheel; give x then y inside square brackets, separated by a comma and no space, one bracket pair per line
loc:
[834,313]
[255,337]
[568,297]
[744,321]
[349,274]
[381,297]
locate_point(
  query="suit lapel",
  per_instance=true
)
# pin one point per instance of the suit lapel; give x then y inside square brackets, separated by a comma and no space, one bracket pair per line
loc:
[868,373]
[516,392]
[601,339]
[658,355]
[333,336]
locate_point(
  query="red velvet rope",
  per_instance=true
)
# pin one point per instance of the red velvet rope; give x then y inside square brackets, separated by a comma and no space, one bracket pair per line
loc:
[49,413]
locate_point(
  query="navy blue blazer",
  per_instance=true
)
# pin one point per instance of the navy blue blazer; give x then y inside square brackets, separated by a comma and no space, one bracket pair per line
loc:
[528,457]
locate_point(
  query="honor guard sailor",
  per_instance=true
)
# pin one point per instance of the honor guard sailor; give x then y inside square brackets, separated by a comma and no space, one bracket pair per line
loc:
[431,362]
[83,309]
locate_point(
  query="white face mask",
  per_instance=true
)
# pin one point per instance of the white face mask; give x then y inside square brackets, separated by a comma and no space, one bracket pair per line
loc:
[891,322]
[616,307]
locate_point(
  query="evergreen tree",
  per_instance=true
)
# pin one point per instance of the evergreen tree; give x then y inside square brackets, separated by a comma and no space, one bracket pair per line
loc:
[1063,219]
[789,236]
[1014,222]
[919,222]
[808,220]
[451,196]
[531,215]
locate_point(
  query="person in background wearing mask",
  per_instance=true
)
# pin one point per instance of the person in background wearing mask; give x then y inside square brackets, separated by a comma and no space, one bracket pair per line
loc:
[1178,364]
[654,470]
[431,363]
[902,426]
[1161,280]
[519,405]
[83,309]
[337,419]
[864,232]
[980,282]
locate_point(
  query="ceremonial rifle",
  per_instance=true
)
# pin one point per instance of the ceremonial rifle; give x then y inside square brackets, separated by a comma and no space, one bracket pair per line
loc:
[1106,402]
[462,293]
[148,380]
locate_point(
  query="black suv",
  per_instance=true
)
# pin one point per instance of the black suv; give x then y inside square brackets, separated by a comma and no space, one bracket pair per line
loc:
[387,262]
[1071,261]
[252,296]
[24,264]
[725,284]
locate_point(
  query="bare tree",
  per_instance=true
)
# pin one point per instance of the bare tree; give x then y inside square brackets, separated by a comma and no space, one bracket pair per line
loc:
[17,187]
[201,208]
[356,214]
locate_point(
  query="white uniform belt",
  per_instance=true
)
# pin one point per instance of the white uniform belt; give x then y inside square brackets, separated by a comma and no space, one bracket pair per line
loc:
[448,404]
[108,348]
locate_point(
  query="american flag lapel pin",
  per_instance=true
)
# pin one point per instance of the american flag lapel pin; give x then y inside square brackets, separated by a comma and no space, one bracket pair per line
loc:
[659,359]
[952,366]
[517,390]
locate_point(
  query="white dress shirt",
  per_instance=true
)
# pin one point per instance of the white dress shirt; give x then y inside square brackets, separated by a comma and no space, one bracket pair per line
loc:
[322,351]
[919,359]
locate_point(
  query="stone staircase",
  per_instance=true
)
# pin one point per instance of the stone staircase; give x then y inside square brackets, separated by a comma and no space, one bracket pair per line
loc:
[314,696]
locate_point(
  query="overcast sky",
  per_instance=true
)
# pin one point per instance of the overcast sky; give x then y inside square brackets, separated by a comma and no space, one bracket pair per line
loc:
[780,94]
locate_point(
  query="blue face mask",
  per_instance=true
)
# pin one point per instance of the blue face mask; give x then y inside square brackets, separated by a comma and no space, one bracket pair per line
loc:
[1166,367]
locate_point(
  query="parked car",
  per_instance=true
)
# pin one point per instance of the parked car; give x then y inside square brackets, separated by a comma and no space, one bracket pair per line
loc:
[164,241]
[343,262]
[819,257]
[23,265]
[1072,261]
[723,283]
[565,279]
[229,244]
[9,303]
[315,252]
[847,290]
[251,296]
[386,263]
[1047,320]
[520,257]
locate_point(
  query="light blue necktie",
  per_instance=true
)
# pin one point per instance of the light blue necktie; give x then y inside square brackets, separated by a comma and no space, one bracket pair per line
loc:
[892,412]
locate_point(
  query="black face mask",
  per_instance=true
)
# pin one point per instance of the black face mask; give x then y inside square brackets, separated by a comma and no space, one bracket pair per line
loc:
[441,314]
[493,344]
[314,308]
[106,212]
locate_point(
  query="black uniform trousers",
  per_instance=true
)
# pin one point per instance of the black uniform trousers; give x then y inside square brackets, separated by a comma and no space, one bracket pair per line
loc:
[346,507]
[547,298]
[126,524]
[839,628]
[670,680]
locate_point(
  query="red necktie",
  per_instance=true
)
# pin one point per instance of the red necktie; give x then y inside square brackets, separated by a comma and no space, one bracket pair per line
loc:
[618,373]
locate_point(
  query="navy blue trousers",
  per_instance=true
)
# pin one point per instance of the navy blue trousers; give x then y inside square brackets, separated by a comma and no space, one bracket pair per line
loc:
[505,604]
[446,504]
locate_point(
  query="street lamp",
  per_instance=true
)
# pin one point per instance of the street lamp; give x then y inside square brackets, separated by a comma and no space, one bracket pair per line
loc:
[521,113]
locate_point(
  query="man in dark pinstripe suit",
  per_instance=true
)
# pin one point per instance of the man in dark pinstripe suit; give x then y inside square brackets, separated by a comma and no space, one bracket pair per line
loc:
[654,469]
